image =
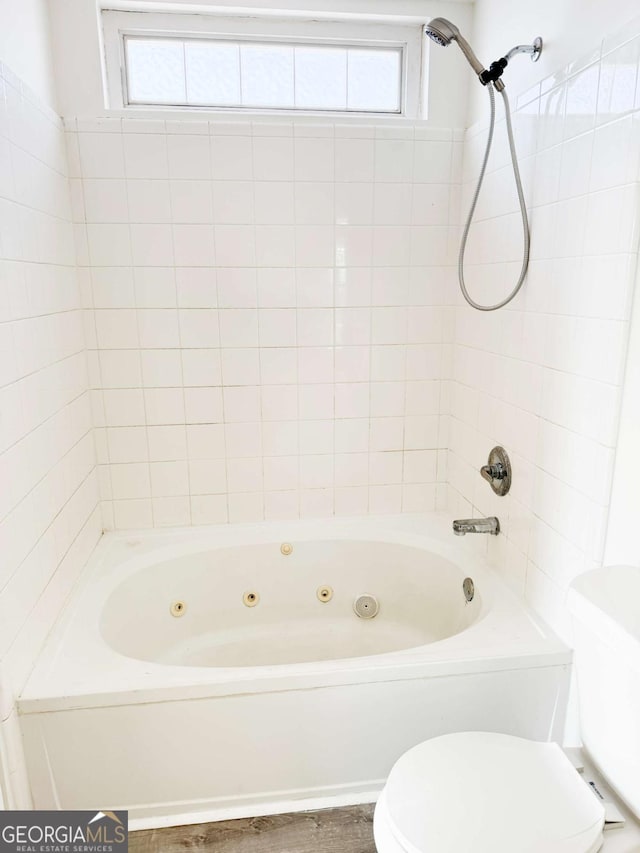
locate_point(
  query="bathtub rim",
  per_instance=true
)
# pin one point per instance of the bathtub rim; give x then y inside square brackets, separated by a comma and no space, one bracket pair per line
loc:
[59,684]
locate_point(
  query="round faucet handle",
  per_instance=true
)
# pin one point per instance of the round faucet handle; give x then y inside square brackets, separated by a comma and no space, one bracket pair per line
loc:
[497,471]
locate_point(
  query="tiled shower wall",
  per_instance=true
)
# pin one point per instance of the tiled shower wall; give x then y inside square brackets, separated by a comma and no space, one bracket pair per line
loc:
[49,518]
[269,315]
[543,377]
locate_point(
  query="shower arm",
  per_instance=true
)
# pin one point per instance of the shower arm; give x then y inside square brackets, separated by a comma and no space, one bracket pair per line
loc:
[496,69]
[533,50]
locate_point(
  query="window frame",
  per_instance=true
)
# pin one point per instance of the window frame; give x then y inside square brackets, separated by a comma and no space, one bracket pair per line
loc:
[118,25]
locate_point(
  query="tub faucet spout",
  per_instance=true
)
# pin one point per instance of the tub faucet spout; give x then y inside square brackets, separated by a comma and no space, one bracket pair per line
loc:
[462,526]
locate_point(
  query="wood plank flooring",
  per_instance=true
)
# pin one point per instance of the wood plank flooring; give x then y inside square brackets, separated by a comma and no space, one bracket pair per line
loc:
[346,830]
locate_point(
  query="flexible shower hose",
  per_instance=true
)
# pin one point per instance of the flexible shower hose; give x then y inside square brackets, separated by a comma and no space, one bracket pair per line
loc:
[474,202]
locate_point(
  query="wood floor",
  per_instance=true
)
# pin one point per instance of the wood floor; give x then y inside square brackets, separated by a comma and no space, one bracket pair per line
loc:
[348,830]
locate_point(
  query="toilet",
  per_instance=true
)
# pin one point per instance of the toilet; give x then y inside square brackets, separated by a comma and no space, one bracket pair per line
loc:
[484,792]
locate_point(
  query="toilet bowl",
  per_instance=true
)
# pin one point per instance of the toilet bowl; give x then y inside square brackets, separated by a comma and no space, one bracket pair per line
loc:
[481,792]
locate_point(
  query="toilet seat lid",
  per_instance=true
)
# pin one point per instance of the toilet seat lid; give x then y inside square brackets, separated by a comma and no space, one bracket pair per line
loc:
[479,792]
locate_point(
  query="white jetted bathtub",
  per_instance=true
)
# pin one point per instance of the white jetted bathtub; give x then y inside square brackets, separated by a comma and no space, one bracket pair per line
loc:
[202,674]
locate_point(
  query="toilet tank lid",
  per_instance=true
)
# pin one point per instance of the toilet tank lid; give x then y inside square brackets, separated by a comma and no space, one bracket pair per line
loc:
[491,793]
[608,601]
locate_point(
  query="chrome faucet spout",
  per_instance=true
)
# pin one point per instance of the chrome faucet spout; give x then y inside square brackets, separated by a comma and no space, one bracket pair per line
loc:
[462,526]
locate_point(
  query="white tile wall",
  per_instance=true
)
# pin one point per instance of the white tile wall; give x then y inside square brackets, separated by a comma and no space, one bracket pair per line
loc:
[48,497]
[543,377]
[269,315]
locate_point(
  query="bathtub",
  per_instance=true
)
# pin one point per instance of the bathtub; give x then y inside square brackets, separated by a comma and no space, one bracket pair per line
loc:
[210,673]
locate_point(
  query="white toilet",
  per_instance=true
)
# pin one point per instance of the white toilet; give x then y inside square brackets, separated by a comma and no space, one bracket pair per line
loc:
[480,792]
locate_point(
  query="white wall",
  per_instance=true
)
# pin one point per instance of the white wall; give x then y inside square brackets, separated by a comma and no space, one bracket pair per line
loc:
[622,546]
[77,49]
[25,45]
[270,320]
[269,326]
[544,376]
[571,29]
[48,501]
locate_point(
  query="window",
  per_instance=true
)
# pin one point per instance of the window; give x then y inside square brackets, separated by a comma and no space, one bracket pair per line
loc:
[176,61]
[268,75]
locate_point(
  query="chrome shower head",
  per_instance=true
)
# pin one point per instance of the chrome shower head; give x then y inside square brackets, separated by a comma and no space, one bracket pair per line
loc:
[443,32]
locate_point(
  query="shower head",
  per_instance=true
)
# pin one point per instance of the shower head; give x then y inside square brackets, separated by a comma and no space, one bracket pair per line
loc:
[443,32]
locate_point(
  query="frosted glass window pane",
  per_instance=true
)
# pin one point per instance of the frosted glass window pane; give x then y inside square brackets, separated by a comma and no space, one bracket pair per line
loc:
[321,78]
[226,73]
[213,73]
[374,80]
[156,71]
[267,75]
